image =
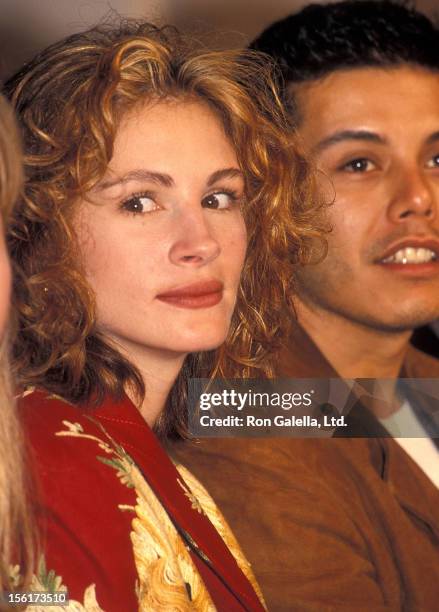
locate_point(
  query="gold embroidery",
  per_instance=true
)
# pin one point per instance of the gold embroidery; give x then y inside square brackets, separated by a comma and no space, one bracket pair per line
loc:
[27,391]
[168,578]
[48,582]
[195,504]
[220,524]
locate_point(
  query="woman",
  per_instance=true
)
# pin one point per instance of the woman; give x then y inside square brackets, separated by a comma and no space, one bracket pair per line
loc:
[155,174]
[15,524]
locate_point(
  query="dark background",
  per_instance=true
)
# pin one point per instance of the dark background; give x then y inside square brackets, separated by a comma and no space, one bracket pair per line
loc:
[29,25]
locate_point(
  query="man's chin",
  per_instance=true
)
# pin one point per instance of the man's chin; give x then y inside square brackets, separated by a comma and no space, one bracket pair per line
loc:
[402,323]
[374,312]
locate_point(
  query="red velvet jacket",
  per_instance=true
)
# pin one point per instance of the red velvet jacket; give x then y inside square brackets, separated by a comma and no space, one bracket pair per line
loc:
[82,461]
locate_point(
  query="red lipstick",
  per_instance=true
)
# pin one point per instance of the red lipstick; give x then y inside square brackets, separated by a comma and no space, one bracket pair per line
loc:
[204,294]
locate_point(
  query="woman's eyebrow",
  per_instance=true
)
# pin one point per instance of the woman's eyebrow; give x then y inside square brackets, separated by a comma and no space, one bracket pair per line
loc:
[135,175]
[225,173]
[162,179]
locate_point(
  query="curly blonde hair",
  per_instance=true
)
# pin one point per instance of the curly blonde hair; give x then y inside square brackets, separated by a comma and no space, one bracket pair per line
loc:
[16,530]
[70,101]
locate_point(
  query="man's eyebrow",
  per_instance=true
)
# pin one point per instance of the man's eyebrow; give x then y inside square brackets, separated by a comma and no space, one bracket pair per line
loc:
[433,138]
[346,135]
[161,179]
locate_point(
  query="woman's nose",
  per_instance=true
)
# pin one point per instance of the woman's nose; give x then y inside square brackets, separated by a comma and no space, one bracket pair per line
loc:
[195,243]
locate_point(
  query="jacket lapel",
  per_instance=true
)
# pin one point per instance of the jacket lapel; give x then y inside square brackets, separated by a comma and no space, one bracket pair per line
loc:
[424,397]
[211,555]
[301,358]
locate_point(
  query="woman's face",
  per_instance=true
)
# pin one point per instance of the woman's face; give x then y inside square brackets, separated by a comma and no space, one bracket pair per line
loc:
[5,280]
[163,240]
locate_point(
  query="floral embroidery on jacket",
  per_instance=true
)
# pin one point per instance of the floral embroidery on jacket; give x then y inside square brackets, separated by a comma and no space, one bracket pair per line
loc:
[48,582]
[168,578]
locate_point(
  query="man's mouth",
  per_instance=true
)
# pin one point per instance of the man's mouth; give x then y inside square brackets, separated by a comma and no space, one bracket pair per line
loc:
[412,258]
[411,255]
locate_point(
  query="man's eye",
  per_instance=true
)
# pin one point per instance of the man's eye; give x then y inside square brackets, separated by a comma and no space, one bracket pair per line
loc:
[359,165]
[139,204]
[433,162]
[219,201]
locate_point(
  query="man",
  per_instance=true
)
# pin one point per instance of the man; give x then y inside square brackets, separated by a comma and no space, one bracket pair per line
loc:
[353,523]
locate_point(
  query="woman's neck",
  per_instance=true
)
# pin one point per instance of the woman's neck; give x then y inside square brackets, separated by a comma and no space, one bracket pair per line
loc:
[158,369]
[158,384]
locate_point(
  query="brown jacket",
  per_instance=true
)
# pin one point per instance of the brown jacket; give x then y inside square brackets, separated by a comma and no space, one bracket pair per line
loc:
[333,524]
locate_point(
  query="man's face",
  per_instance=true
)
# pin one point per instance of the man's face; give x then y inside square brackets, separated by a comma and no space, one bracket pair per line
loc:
[374,133]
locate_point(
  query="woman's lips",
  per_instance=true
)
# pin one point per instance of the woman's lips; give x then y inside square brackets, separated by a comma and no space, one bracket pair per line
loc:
[198,295]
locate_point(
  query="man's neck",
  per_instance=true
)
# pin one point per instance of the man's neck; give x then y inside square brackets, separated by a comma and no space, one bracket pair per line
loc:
[352,349]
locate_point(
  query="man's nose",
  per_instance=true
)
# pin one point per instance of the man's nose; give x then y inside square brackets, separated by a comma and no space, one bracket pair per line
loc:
[195,243]
[414,195]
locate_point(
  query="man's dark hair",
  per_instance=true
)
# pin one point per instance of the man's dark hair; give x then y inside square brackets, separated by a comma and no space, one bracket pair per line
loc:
[320,39]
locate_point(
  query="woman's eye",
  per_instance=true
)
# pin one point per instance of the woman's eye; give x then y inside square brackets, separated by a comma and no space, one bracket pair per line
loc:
[361,164]
[139,204]
[433,162]
[219,201]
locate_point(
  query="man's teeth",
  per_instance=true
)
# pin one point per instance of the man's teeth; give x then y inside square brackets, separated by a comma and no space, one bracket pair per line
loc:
[409,255]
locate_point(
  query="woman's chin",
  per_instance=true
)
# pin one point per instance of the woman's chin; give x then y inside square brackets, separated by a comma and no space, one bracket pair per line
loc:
[200,343]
